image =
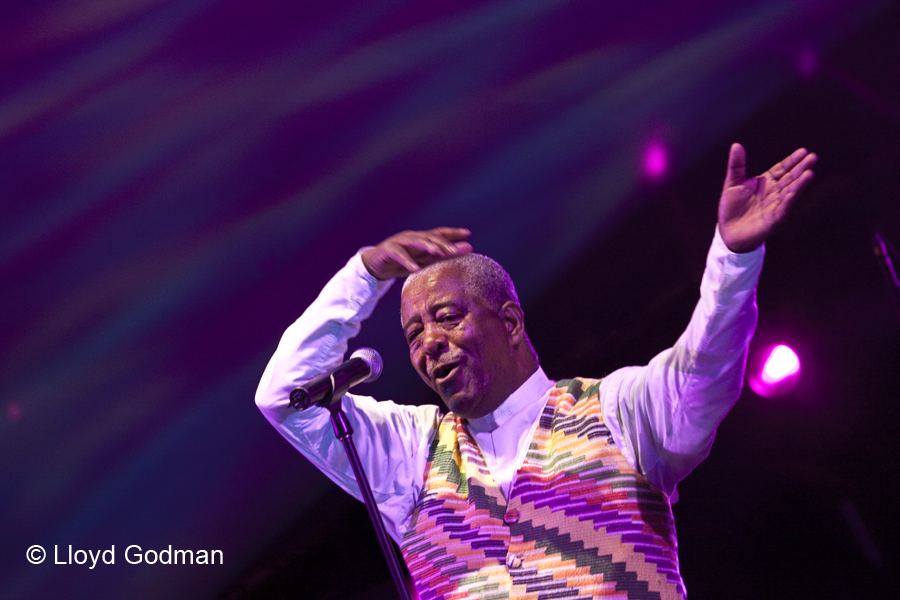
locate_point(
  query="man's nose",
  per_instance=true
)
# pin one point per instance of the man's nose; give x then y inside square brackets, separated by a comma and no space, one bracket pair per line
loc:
[434,342]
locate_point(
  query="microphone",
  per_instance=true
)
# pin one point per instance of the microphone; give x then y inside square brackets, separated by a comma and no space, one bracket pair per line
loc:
[363,366]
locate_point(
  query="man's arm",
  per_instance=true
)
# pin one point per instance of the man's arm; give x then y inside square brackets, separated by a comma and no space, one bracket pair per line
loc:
[392,440]
[665,414]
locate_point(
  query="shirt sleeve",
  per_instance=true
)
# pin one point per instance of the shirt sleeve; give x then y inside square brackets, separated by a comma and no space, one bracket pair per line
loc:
[664,415]
[392,440]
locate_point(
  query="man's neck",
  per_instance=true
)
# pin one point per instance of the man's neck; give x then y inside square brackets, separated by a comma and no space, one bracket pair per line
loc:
[534,387]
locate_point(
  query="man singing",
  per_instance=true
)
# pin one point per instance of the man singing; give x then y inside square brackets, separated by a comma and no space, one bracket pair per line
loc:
[530,488]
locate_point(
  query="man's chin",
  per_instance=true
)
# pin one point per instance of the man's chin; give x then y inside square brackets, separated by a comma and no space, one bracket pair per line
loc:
[460,405]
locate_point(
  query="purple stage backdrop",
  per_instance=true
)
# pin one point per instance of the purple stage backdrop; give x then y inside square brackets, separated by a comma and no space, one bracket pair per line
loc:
[180,178]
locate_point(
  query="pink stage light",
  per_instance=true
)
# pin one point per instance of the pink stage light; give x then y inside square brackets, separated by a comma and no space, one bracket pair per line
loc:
[656,160]
[778,375]
[782,363]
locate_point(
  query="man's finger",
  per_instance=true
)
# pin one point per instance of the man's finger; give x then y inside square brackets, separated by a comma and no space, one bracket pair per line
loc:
[442,245]
[449,238]
[427,245]
[785,166]
[737,166]
[454,234]
[797,171]
[399,255]
[801,182]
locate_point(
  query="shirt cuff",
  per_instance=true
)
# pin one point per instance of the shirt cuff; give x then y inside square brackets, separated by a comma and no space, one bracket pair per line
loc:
[737,258]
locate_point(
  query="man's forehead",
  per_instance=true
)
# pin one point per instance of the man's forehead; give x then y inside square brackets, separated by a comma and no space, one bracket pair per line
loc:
[444,281]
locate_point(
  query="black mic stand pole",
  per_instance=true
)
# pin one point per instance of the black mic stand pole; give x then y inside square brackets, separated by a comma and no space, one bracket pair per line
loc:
[344,432]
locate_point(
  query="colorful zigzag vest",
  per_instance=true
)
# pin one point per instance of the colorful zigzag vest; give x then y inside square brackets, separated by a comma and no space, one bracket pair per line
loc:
[580,522]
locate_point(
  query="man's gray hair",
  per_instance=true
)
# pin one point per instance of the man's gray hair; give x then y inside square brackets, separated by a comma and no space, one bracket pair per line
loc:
[489,281]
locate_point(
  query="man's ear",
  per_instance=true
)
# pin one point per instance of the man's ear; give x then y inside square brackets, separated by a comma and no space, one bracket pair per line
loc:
[514,319]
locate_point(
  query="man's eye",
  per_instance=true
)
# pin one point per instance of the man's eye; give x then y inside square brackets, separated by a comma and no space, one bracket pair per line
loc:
[412,335]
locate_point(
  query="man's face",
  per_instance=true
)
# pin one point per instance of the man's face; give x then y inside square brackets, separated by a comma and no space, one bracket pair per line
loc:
[458,345]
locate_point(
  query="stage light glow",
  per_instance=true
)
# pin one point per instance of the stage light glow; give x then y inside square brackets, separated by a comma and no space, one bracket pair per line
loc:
[782,363]
[13,411]
[777,375]
[656,160]
[807,62]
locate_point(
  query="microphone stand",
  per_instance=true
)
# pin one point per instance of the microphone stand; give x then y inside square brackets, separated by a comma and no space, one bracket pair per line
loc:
[344,432]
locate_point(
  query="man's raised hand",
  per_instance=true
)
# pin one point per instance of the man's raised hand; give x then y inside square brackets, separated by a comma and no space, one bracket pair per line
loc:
[410,251]
[749,209]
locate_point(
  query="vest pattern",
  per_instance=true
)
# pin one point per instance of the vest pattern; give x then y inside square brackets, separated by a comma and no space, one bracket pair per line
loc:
[580,522]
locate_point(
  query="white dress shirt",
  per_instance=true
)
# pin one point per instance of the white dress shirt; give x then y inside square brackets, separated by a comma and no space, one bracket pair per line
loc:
[662,416]
[503,436]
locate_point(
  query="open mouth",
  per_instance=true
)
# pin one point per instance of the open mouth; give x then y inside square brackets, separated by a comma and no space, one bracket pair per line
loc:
[442,372]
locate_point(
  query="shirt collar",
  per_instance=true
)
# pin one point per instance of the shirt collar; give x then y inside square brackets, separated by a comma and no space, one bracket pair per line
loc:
[533,390]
